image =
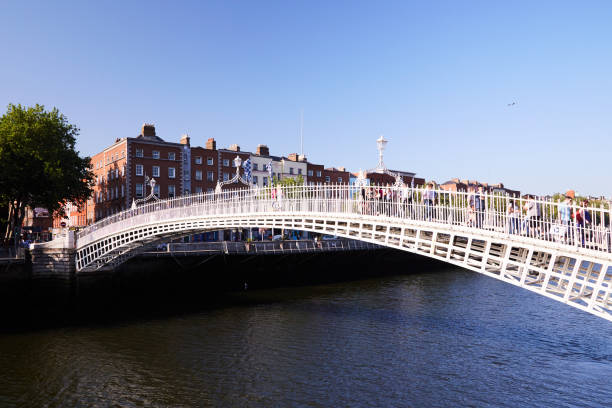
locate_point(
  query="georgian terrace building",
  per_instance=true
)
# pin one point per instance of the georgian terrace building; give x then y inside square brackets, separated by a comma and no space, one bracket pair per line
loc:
[121,172]
[292,166]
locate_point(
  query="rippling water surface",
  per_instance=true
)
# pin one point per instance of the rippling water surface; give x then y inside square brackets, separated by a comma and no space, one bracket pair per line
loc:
[444,339]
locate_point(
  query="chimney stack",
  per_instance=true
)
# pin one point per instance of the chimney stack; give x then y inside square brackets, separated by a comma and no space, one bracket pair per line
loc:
[148,129]
[211,144]
[185,139]
[293,157]
[234,148]
[262,150]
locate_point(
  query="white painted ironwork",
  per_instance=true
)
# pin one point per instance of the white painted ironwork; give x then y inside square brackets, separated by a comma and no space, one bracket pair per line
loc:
[151,182]
[381,143]
[532,247]
[236,179]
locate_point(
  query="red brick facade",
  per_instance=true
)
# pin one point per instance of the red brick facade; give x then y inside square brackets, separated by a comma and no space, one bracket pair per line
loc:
[332,175]
[314,173]
[120,172]
[204,174]
[381,179]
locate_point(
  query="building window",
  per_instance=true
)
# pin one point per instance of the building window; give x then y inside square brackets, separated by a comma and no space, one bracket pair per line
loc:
[138,190]
[255,167]
[299,171]
[198,160]
[116,192]
[122,190]
[210,161]
[171,191]
[254,179]
[226,162]
[318,173]
[171,156]
[171,172]
[156,154]
[116,173]
[198,190]
[340,180]
[265,181]
[210,190]
[290,170]
[155,171]
[225,176]
[139,153]
[198,175]
[156,190]
[139,170]
[123,171]
[327,179]
[209,176]
[310,173]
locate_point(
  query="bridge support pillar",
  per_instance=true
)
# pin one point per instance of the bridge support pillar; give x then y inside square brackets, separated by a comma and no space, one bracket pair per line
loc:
[53,263]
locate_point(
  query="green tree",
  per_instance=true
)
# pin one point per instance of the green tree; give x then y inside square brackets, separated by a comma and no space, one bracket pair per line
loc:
[39,166]
[289,181]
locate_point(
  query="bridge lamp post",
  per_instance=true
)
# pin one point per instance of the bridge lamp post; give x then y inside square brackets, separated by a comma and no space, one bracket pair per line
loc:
[237,163]
[381,142]
[151,182]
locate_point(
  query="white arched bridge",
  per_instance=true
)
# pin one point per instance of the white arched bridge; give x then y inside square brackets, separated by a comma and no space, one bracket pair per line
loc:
[539,245]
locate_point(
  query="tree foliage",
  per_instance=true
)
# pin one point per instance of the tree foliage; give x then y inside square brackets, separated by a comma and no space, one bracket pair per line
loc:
[39,166]
[289,181]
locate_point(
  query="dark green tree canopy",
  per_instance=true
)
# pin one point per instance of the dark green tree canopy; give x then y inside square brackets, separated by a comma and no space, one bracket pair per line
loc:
[39,166]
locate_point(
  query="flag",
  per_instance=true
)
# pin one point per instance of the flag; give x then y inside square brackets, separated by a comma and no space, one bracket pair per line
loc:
[247,169]
[269,168]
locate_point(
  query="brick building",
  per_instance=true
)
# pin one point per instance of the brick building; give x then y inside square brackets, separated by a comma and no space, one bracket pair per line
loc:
[121,172]
[315,173]
[333,175]
[380,178]
[202,170]
[471,186]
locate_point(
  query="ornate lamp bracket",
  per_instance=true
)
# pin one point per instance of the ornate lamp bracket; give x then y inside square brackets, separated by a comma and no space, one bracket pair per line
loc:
[236,179]
[151,182]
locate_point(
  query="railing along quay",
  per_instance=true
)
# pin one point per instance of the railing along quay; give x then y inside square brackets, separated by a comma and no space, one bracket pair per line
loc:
[262,247]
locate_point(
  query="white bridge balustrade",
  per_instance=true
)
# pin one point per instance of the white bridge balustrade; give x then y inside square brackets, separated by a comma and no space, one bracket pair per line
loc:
[562,260]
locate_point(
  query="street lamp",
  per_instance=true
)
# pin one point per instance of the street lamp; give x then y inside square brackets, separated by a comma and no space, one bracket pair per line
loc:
[237,163]
[236,179]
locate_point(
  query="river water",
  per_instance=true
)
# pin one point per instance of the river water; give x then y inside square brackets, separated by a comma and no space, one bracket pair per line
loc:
[442,339]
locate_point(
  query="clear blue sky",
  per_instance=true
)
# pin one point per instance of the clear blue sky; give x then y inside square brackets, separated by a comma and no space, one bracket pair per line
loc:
[435,77]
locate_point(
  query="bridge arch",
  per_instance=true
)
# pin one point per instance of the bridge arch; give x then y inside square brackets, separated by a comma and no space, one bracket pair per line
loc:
[580,277]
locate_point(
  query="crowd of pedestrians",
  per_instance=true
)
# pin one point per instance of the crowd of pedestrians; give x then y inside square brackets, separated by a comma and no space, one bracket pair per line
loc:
[566,222]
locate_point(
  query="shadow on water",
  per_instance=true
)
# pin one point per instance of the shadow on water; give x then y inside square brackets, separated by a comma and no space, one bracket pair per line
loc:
[155,288]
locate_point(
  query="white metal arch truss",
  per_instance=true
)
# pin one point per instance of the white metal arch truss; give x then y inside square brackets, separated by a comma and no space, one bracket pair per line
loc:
[574,268]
